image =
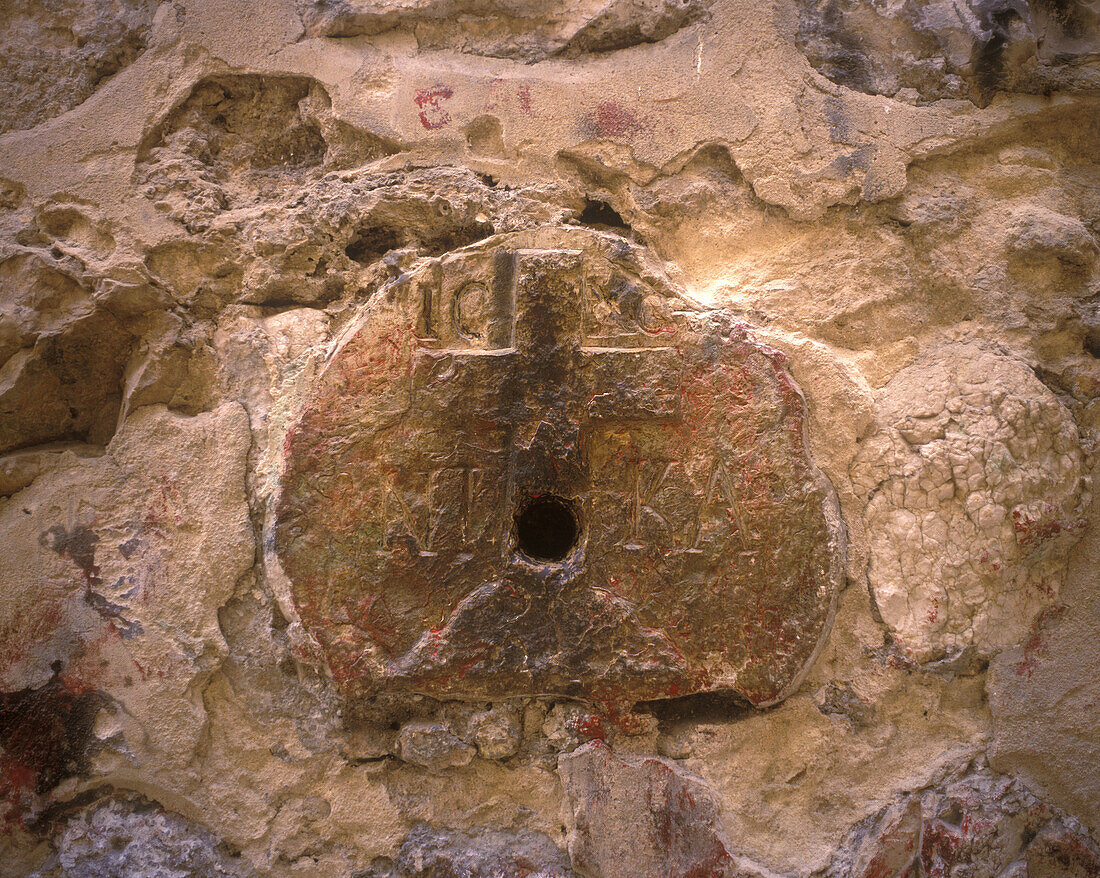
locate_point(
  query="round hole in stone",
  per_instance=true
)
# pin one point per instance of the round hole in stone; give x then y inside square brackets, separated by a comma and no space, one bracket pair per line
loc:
[546,528]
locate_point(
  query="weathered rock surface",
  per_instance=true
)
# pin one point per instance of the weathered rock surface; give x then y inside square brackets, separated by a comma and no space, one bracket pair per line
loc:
[1040,692]
[64,358]
[432,853]
[644,818]
[432,745]
[240,139]
[519,29]
[133,837]
[55,54]
[979,824]
[100,654]
[929,50]
[881,221]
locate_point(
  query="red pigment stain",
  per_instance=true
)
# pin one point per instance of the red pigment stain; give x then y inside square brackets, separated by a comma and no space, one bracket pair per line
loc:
[900,662]
[895,856]
[496,86]
[104,663]
[27,627]
[619,711]
[524,95]
[1035,646]
[609,119]
[430,101]
[589,726]
[985,558]
[940,846]
[715,867]
[44,734]
[163,513]
[1035,531]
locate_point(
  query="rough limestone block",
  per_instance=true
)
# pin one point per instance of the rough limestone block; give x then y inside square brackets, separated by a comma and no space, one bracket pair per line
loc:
[133,837]
[432,745]
[113,574]
[981,823]
[547,29]
[434,853]
[226,207]
[643,819]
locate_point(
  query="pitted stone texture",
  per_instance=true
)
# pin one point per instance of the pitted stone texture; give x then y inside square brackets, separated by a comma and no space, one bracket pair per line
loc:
[315,248]
[1044,695]
[62,356]
[528,30]
[932,49]
[707,547]
[432,745]
[980,824]
[134,837]
[237,140]
[496,732]
[973,489]
[1039,234]
[429,852]
[54,54]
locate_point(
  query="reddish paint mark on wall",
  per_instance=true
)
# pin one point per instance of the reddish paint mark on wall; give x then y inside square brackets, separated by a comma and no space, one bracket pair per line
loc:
[163,514]
[430,101]
[611,120]
[897,848]
[504,95]
[1035,646]
[589,726]
[1034,531]
[497,94]
[940,846]
[524,95]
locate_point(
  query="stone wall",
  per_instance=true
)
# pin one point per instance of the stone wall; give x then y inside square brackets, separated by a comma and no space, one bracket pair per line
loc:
[610,439]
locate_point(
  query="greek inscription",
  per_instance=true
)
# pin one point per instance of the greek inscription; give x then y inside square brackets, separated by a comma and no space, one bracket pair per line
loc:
[471,311]
[431,103]
[454,500]
[400,524]
[641,501]
[556,484]
[719,488]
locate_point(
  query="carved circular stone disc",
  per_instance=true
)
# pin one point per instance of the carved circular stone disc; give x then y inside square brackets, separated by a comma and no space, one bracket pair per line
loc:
[528,471]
